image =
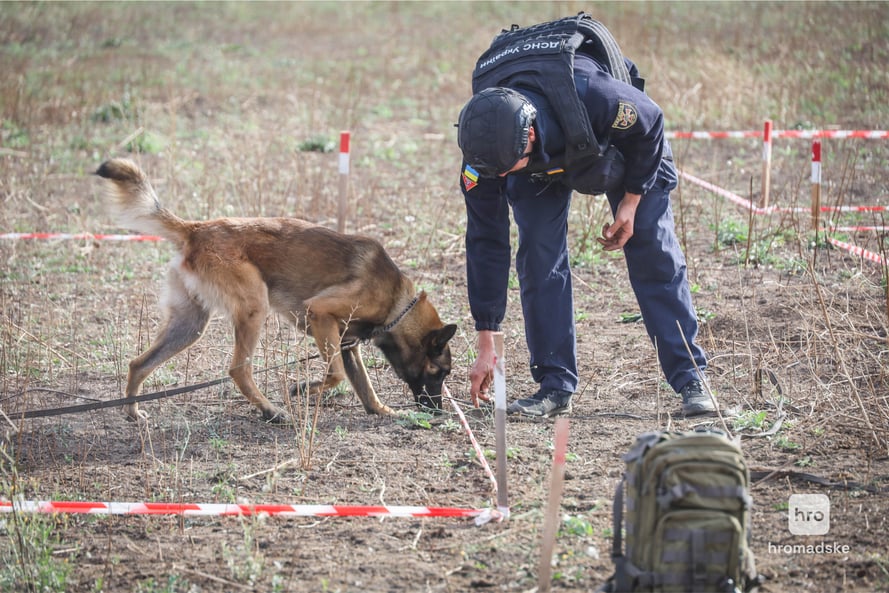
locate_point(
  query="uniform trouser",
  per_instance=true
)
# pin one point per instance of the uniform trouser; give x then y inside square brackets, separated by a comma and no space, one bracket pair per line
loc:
[657,273]
[545,280]
[659,278]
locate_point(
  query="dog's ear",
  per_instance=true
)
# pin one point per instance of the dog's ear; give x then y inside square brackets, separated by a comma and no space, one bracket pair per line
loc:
[441,337]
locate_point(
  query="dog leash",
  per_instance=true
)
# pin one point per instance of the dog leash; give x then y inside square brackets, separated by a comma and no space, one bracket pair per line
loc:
[98,405]
[115,402]
[164,393]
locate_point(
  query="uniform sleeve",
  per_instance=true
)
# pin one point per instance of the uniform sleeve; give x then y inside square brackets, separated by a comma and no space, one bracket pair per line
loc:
[632,122]
[487,249]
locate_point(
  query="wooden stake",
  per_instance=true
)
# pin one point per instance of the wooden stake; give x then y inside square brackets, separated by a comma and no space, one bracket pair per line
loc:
[553,506]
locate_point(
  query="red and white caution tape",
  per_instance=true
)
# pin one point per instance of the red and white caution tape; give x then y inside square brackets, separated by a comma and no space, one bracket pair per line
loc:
[854,208]
[858,229]
[478,450]
[732,197]
[854,249]
[864,134]
[229,510]
[713,135]
[488,514]
[481,516]
[745,203]
[87,236]
[859,251]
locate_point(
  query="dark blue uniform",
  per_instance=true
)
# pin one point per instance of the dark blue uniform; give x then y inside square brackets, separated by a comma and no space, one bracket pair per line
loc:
[633,123]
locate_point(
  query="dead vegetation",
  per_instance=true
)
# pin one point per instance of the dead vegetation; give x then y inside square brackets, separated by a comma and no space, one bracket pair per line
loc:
[235,110]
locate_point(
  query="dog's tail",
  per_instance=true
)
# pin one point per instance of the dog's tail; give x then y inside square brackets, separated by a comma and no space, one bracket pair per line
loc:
[128,190]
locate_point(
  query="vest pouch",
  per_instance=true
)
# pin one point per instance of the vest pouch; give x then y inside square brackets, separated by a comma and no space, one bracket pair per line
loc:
[604,174]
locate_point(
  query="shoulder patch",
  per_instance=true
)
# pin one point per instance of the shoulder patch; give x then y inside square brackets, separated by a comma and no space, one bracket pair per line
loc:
[626,116]
[470,177]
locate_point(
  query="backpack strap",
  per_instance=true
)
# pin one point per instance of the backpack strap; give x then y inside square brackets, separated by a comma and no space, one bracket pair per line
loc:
[604,48]
[625,572]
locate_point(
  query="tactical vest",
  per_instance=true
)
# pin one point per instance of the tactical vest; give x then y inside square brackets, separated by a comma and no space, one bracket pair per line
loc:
[541,58]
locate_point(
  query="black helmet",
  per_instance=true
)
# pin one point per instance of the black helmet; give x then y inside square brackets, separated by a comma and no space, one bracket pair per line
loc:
[493,129]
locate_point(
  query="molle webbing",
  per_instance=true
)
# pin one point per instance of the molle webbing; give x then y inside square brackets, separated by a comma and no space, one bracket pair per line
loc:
[541,58]
[681,516]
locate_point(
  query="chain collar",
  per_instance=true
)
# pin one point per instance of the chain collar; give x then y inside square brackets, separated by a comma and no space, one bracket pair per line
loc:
[388,327]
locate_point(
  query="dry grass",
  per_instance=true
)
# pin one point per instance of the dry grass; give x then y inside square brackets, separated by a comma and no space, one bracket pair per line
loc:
[222,106]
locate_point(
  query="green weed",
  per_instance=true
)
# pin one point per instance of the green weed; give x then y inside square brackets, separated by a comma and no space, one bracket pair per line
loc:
[449,425]
[785,444]
[172,584]
[27,561]
[750,419]
[576,526]
[415,419]
[245,562]
[321,144]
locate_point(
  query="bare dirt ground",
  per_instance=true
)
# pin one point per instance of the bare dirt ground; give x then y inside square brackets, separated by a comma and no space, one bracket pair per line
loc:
[797,339]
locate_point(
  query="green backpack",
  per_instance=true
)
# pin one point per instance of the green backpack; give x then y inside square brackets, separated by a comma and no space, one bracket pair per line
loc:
[687,518]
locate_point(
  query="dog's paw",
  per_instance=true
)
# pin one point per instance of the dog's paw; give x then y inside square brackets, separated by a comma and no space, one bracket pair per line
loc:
[134,414]
[303,388]
[275,416]
[385,410]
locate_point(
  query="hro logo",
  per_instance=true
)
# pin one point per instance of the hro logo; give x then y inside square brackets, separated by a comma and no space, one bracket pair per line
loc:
[808,514]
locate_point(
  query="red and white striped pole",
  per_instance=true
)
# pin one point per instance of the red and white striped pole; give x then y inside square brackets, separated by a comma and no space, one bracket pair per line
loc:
[344,182]
[816,185]
[766,163]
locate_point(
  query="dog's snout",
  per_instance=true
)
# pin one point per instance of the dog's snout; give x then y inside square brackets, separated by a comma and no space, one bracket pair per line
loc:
[431,402]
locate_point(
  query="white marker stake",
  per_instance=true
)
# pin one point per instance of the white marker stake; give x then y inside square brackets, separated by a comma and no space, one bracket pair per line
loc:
[344,182]
[500,423]
[551,519]
[816,186]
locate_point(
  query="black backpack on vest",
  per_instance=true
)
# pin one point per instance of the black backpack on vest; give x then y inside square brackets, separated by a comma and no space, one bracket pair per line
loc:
[684,508]
[541,58]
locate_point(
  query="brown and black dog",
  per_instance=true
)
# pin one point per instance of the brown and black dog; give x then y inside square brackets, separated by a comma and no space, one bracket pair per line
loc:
[341,288]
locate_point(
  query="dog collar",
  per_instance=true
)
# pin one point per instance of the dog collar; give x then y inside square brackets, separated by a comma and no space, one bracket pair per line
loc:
[394,322]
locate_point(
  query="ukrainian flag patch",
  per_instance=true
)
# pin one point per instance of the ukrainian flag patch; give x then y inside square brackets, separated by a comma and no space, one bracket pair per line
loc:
[470,177]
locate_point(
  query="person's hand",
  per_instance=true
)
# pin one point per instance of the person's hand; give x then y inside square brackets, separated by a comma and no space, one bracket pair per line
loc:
[615,235]
[481,374]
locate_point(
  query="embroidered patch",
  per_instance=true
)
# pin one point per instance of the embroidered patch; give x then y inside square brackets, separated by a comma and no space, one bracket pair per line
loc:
[626,116]
[470,177]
